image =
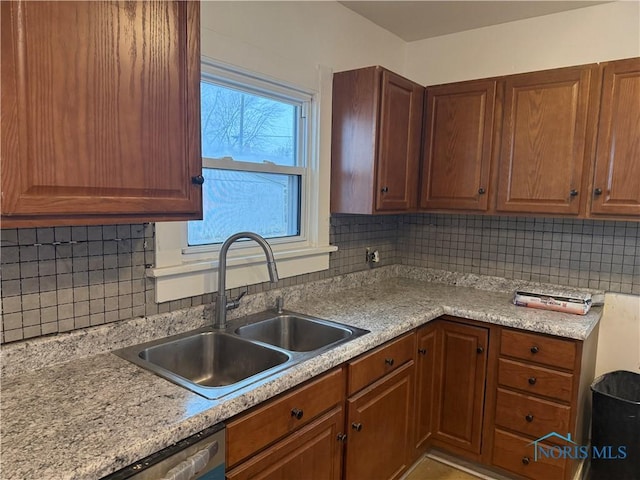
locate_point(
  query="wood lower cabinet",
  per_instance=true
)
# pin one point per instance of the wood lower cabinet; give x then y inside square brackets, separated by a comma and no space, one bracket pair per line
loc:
[100,112]
[542,391]
[543,150]
[425,385]
[457,146]
[616,182]
[375,145]
[461,369]
[380,427]
[266,424]
[313,452]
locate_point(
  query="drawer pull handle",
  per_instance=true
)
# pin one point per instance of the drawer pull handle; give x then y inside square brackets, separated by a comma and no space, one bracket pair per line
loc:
[384,189]
[422,351]
[534,349]
[389,361]
[342,437]
[532,380]
[356,426]
[525,460]
[529,418]
[480,350]
[297,413]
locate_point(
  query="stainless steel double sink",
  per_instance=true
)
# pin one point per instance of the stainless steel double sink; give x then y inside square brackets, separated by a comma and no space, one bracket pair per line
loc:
[215,363]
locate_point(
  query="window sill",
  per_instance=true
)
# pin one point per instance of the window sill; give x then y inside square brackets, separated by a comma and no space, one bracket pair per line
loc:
[198,278]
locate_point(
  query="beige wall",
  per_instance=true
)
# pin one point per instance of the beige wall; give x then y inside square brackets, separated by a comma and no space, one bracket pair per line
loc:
[286,40]
[619,341]
[593,34]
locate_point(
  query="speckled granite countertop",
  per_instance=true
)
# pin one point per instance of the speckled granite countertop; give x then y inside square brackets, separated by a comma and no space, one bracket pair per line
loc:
[96,414]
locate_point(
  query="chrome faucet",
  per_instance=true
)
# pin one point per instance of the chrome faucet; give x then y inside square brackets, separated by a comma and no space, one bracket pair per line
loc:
[222,305]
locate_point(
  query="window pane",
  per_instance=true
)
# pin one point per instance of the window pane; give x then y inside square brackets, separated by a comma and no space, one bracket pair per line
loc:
[247,127]
[234,201]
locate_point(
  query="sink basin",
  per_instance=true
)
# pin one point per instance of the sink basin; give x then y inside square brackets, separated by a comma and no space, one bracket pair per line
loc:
[295,333]
[253,349]
[212,358]
[210,363]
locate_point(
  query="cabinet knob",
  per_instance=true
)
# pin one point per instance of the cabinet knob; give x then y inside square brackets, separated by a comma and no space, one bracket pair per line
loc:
[481,191]
[384,189]
[529,418]
[480,349]
[573,192]
[526,460]
[422,351]
[389,361]
[197,180]
[356,426]
[532,380]
[297,413]
[342,437]
[534,349]
[597,191]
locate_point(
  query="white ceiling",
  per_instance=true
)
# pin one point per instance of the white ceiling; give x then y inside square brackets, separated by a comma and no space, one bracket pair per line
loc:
[424,19]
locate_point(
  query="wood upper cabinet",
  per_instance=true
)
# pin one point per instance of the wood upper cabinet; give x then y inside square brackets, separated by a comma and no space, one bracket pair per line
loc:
[616,183]
[543,140]
[100,112]
[457,146]
[376,134]
[460,377]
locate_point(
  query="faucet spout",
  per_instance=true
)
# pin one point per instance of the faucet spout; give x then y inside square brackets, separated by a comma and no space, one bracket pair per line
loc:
[220,320]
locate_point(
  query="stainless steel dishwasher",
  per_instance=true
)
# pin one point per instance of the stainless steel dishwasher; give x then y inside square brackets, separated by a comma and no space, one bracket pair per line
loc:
[198,457]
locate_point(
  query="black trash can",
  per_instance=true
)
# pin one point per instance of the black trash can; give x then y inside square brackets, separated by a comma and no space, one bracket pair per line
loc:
[615,427]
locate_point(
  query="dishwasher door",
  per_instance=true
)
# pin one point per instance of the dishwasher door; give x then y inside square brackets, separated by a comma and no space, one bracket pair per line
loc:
[199,457]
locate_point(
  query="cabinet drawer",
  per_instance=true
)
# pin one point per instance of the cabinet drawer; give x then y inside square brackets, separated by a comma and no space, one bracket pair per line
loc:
[530,415]
[515,454]
[314,448]
[251,432]
[535,380]
[372,366]
[554,352]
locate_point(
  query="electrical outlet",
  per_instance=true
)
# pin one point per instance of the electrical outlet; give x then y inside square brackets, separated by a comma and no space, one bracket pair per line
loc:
[372,256]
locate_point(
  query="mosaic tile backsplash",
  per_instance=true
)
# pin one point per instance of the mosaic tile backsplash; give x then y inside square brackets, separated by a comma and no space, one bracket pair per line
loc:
[66,278]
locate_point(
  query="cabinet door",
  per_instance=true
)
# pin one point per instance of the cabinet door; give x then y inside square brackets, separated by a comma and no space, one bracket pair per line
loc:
[543,141]
[399,135]
[379,420]
[425,385]
[313,453]
[100,112]
[461,373]
[457,145]
[617,171]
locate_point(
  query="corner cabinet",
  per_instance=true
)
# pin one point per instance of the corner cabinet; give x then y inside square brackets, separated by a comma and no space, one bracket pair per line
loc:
[100,112]
[616,182]
[545,122]
[461,370]
[376,135]
[457,146]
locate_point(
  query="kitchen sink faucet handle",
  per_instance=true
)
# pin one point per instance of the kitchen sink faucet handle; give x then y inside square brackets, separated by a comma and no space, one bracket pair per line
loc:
[235,303]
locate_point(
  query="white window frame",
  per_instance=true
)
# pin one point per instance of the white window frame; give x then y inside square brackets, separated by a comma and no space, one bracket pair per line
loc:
[182,271]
